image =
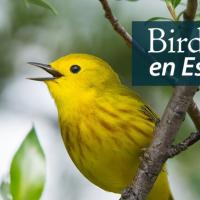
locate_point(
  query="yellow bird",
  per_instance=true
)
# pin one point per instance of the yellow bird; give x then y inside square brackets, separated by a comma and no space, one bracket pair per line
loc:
[105,126]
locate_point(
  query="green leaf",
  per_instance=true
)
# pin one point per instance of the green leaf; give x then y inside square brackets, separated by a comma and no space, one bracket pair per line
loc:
[42,3]
[180,15]
[174,3]
[27,173]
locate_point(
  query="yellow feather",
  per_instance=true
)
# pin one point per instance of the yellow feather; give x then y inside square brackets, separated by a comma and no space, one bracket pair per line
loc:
[105,126]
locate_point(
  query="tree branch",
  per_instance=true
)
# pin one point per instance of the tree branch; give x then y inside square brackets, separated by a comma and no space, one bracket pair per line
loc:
[164,135]
[190,11]
[189,15]
[178,148]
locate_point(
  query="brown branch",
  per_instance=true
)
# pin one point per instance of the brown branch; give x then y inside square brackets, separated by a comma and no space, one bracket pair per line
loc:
[178,148]
[115,23]
[189,15]
[190,11]
[157,153]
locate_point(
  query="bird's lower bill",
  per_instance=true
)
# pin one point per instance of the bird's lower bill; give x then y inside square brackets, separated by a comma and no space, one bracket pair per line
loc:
[55,74]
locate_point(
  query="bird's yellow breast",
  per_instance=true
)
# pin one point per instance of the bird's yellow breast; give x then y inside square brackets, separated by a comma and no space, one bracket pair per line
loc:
[106,138]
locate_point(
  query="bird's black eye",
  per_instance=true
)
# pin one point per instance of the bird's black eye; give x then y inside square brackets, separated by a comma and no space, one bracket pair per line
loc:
[75,69]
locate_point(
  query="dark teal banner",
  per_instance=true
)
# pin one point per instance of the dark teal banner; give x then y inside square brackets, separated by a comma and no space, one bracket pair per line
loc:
[166,53]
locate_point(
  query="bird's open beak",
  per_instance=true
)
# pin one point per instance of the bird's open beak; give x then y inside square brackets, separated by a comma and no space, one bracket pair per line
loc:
[55,74]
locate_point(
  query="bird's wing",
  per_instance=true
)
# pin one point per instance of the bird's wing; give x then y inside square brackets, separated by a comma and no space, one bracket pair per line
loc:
[150,113]
[143,107]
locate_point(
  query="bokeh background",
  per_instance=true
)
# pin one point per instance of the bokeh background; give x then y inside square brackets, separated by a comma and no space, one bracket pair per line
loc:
[35,34]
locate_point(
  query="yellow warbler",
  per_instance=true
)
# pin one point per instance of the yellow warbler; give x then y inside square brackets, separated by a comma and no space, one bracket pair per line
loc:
[105,126]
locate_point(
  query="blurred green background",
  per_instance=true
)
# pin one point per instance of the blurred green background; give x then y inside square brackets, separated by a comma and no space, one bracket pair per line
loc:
[35,34]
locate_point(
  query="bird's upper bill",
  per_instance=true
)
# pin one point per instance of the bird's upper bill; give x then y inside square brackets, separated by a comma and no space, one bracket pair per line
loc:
[55,74]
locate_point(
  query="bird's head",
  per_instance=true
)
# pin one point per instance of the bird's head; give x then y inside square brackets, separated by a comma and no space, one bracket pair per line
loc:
[77,74]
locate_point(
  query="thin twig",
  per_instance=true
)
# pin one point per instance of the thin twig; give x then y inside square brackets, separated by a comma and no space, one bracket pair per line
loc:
[178,148]
[115,23]
[171,10]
